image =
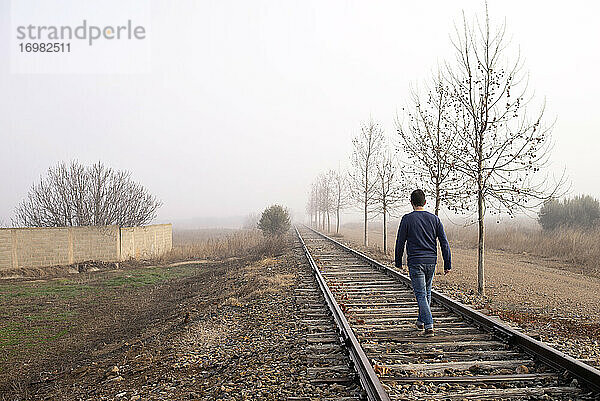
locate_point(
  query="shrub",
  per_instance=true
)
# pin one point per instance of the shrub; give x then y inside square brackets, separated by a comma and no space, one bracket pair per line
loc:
[275,221]
[582,211]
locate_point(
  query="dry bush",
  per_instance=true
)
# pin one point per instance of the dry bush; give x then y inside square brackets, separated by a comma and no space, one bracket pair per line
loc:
[222,244]
[572,245]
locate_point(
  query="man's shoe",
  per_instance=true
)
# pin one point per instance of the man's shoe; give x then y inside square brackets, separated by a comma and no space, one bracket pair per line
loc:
[429,332]
[420,326]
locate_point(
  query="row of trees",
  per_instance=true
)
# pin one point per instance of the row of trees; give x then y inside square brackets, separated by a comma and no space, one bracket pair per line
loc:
[329,195]
[373,183]
[582,211]
[469,137]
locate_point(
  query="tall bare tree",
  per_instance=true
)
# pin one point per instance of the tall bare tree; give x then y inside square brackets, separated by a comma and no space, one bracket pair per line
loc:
[315,192]
[367,148]
[326,198]
[311,204]
[77,195]
[428,138]
[340,194]
[502,146]
[390,189]
[320,203]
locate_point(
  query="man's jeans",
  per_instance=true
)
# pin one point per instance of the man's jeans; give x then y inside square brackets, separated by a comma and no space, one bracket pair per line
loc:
[421,277]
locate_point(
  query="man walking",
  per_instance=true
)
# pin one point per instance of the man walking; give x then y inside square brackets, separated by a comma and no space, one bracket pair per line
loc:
[419,230]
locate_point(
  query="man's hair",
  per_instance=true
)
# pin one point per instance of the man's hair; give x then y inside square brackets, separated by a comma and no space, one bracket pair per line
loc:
[417,198]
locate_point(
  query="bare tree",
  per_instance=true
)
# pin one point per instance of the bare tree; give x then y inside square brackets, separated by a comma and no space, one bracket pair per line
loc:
[501,145]
[319,203]
[363,175]
[325,181]
[390,187]
[313,204]
[340,194]
[428,139]
[76,195]
[309,208]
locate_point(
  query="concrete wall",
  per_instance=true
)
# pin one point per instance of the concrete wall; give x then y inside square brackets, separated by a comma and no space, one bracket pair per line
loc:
[38,247]
[144,242]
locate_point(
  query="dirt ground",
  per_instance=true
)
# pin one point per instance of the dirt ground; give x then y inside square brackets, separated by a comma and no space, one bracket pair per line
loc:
[208,331]
[228,329]
[542,296]
[52,328]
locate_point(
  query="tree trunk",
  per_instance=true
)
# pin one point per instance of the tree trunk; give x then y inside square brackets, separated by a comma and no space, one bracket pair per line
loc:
[480,246]
[328,222]
[481,214]
[384,231]
[337,221]
[366,237]
[437,200]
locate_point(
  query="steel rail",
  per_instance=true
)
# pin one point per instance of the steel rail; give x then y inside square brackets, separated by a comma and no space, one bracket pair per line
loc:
[367,376]
[551,356]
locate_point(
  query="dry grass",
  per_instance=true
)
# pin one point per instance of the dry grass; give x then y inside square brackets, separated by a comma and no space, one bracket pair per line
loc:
[234,301]
[191,237]
[281,280]
[261,282]
[575,246]
[221,244]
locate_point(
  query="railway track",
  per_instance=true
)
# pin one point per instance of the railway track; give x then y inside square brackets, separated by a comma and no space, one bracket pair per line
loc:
[471,356]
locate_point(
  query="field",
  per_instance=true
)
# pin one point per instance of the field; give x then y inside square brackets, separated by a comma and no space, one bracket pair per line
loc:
[571,249]
[47,325]
[218,244]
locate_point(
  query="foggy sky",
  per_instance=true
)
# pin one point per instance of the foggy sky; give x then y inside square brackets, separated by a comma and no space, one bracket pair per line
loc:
[246,101]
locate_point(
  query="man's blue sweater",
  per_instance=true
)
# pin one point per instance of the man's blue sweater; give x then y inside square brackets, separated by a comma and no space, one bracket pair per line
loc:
[419,229]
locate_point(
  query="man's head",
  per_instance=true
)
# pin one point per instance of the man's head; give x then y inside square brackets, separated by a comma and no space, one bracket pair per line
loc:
[417,198]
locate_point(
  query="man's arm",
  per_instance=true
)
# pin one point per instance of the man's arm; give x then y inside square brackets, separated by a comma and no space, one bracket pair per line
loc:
[400,240]
[445,246]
